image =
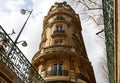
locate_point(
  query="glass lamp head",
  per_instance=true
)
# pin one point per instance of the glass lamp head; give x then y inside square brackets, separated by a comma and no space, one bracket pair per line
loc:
[23,11]
[24,44]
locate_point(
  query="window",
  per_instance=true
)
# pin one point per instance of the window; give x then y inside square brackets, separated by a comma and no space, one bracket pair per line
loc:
[83,77]
[57,69]
[74,33]
[60,18]
[59,29]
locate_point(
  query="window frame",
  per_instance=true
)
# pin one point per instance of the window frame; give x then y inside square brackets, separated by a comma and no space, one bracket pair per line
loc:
[57,69]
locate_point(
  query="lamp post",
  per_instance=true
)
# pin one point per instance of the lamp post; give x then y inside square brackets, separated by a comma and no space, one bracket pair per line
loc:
[24,42]
[23,12]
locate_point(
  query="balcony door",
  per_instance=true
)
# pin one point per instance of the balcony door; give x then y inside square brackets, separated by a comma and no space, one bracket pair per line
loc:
[57,70]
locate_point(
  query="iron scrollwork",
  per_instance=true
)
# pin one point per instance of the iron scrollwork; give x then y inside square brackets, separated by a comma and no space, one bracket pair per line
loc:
[11,55]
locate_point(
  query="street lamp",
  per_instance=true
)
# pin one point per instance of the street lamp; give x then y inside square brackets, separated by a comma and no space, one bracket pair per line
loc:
[24,43]
[23,12]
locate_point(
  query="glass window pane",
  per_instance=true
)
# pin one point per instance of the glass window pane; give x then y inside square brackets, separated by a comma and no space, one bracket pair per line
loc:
[60,68]
[54,70]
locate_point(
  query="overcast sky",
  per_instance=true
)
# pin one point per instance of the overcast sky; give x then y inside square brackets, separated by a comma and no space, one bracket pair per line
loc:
[11,18]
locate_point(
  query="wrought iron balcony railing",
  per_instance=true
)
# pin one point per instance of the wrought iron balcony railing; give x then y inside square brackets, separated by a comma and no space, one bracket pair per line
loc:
[58,33]
[56,48]
[57,73]
[81,76]
[13,58]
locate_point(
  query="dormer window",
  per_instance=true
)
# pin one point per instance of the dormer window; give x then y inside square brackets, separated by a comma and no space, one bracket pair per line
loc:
[60,17]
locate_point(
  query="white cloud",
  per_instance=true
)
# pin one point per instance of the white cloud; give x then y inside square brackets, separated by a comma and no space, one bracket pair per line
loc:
[14,4]
[10,18]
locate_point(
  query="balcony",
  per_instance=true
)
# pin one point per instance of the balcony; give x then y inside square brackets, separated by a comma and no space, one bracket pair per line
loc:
[56,48]
[58,33]
[15,60]
[57,73]
[81,76]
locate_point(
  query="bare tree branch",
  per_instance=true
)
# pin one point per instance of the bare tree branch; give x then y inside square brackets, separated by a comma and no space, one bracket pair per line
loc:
[99,21]
[92,5]
[84,3]
[102,65]
[95,3]
[100,32]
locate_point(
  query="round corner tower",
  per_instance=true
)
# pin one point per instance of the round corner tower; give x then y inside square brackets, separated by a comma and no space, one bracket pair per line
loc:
[62,56]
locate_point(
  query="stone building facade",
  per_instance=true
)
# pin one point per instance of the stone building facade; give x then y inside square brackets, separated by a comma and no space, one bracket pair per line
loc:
[62,56]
